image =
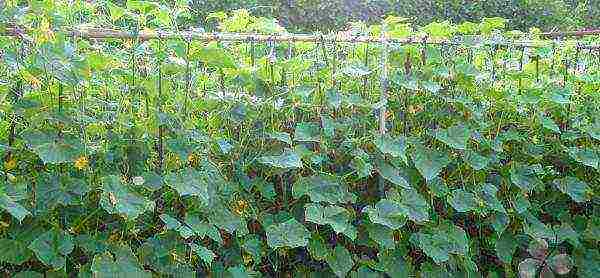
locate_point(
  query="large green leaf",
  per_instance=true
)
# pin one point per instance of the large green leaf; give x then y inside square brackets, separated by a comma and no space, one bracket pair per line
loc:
[413,205]
[455,136]
[394,264]
[488,194]
[214,56]
[549,124]
[594,129]
[429,162]
[52,247]
[57,152]
[173,224]
[317,247]
[287,160]
[322,188]
[189,182]
[355,69]
[387,213]
[340,261]
[395,147]
[9,204]
[307,132]
[475,160]
[463,201]
[14,251]
[575,188]
[223,218]
[123,264]
[524,177]
[119,198]
[506,246]
[392,174]
[51,148]
[162,253]
[281,136]
[585,156]
[57,190]
[383,235]
[204,253]
[441,241]
[287,234]
[337,217]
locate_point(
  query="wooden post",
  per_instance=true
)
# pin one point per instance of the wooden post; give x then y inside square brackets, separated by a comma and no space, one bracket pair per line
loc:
[383,97]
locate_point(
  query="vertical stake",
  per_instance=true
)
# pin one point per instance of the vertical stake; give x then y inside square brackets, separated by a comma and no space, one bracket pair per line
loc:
[188,78]
[366,78]
[160,126]
[383,97]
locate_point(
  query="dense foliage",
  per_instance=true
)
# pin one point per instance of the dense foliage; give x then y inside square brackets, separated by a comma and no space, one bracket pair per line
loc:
[179,158]
[311,15]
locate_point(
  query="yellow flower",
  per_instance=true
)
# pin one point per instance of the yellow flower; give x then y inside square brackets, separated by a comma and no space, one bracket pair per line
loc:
[193,159]
[240,207]
[247,258]
[10,164]
[81,163]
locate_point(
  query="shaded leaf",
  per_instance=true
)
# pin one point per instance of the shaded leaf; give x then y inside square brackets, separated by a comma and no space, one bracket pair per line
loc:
[506,246]
[383,235]
[475,160]
[414,205]
[52,247]
[429,162]
[585,156]
[337,217]
[455,136]
[549,124]
[395,147]
[528,268]
[340,261]
[575,188]
[287,234]
[463,201]
[9,204]
[488,194]
[524,177]
[124,264]
[392,174]
[561,264]
[189,182]
[14,251]
[281,136]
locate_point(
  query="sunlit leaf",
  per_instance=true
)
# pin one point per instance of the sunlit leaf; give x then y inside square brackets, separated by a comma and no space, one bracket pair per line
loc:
[287,160]
[118,198]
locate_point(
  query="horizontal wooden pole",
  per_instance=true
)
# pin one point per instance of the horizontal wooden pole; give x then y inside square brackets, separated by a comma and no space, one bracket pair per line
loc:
[100,33]
[582,33]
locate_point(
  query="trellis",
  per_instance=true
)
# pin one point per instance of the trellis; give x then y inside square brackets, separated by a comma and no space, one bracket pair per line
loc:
[383,41]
